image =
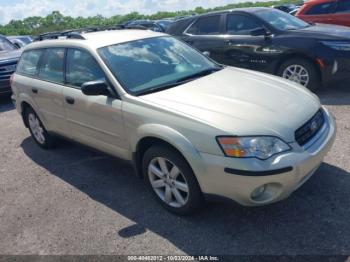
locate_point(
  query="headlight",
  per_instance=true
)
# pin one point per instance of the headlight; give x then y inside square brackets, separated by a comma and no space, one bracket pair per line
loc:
[261,147]
[340,46]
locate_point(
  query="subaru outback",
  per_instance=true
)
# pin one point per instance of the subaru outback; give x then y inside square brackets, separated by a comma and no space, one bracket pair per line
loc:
[193,129]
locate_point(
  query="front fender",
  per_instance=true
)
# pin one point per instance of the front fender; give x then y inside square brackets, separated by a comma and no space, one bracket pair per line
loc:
[174,138]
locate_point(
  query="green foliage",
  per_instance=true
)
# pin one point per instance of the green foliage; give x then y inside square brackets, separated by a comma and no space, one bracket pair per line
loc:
[56,21]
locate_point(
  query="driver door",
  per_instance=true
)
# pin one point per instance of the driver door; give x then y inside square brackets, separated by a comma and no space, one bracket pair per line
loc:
[94,120]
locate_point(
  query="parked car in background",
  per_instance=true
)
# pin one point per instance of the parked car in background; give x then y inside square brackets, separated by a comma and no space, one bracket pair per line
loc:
[287,8]
[9,56]
[294,12]
[269,40]
[326,11]
[20,41]
[154,25]
[193,128]
[165,23]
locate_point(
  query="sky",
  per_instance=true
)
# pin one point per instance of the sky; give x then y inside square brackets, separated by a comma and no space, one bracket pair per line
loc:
[19,9]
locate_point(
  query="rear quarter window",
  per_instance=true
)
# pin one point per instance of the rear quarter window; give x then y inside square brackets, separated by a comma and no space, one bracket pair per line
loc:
[28,64]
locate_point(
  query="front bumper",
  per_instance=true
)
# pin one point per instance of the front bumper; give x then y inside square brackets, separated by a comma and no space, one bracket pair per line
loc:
[5,87]
[336,66]
[237,179]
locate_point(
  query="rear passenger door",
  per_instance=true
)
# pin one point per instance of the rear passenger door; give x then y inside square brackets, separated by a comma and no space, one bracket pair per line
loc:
[205,34]
[93,120]
[44,83]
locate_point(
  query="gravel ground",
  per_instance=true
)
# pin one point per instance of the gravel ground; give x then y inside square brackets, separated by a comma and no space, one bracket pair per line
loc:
[76,201]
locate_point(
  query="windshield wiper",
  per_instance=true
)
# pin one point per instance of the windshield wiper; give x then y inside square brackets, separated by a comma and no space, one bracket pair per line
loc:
[199,74]
[178,82]
[157,88]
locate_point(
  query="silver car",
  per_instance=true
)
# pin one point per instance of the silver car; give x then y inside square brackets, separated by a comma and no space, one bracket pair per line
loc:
[193,129]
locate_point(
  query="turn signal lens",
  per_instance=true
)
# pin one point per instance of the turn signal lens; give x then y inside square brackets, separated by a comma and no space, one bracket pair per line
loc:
[231,146]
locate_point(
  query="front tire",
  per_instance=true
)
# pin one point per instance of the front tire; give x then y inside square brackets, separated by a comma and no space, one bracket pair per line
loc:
[302,72]
[171,180]
[38,131]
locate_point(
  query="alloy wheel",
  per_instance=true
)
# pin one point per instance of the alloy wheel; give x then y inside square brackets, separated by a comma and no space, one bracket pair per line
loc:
[36,128]
[297,73]
[168,182]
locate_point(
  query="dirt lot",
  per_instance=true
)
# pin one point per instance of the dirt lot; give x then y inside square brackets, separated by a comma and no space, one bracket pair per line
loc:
[76,201]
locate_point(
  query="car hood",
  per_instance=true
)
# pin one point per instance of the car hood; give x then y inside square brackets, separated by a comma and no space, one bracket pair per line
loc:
[241,102]
[325,31]
[10,55]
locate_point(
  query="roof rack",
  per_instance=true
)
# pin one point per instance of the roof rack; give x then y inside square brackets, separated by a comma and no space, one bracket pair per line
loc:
[77,33]
[67,34]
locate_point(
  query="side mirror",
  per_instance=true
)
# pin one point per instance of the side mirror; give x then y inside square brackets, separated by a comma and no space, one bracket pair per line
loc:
[95,88]
[259,32]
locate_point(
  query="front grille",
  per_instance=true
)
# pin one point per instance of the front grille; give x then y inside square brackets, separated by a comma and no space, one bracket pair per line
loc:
[7,69]
[307,131]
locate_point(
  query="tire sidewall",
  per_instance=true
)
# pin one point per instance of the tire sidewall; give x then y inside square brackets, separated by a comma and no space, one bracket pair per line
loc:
[195,194]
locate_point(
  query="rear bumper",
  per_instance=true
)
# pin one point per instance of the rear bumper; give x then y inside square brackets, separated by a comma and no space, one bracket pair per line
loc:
[237,179]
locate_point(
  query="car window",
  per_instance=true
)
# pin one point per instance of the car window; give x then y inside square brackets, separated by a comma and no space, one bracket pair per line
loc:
[240,24]
[28,64]
[321,9]
[281,20]
[51,68]
[343,6]
[206,26]
[81,68]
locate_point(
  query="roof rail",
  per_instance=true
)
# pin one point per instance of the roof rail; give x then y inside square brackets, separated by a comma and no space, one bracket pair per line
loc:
[77,33]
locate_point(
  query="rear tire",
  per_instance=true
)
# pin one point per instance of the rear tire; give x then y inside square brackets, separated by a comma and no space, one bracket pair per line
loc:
[301,71]
[171,180]
[38,131]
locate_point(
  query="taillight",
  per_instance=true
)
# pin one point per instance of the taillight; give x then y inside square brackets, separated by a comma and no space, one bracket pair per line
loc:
[11,79]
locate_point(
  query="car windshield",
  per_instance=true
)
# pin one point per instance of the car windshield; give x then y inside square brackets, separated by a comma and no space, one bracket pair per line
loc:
[281,20]
[25,40]
[154,64]
[165,23]
[6,45]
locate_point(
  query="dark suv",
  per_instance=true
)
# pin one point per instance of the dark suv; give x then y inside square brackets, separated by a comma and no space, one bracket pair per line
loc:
[269,40]
[9,56]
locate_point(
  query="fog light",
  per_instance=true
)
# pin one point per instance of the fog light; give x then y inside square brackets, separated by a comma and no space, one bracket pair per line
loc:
[258,192]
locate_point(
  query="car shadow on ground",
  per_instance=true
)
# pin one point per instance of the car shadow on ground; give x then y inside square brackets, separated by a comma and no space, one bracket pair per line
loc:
[335,94]
[6,104]
[314,220]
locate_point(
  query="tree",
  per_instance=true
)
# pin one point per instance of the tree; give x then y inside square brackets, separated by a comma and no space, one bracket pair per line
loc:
[56,21]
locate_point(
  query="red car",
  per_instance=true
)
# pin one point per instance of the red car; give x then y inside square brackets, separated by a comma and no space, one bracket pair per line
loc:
[326,11]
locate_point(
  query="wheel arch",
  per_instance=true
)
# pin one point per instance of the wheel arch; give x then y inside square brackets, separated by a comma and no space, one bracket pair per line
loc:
[154,134]
[299,56]
[23,107]
[26,101]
